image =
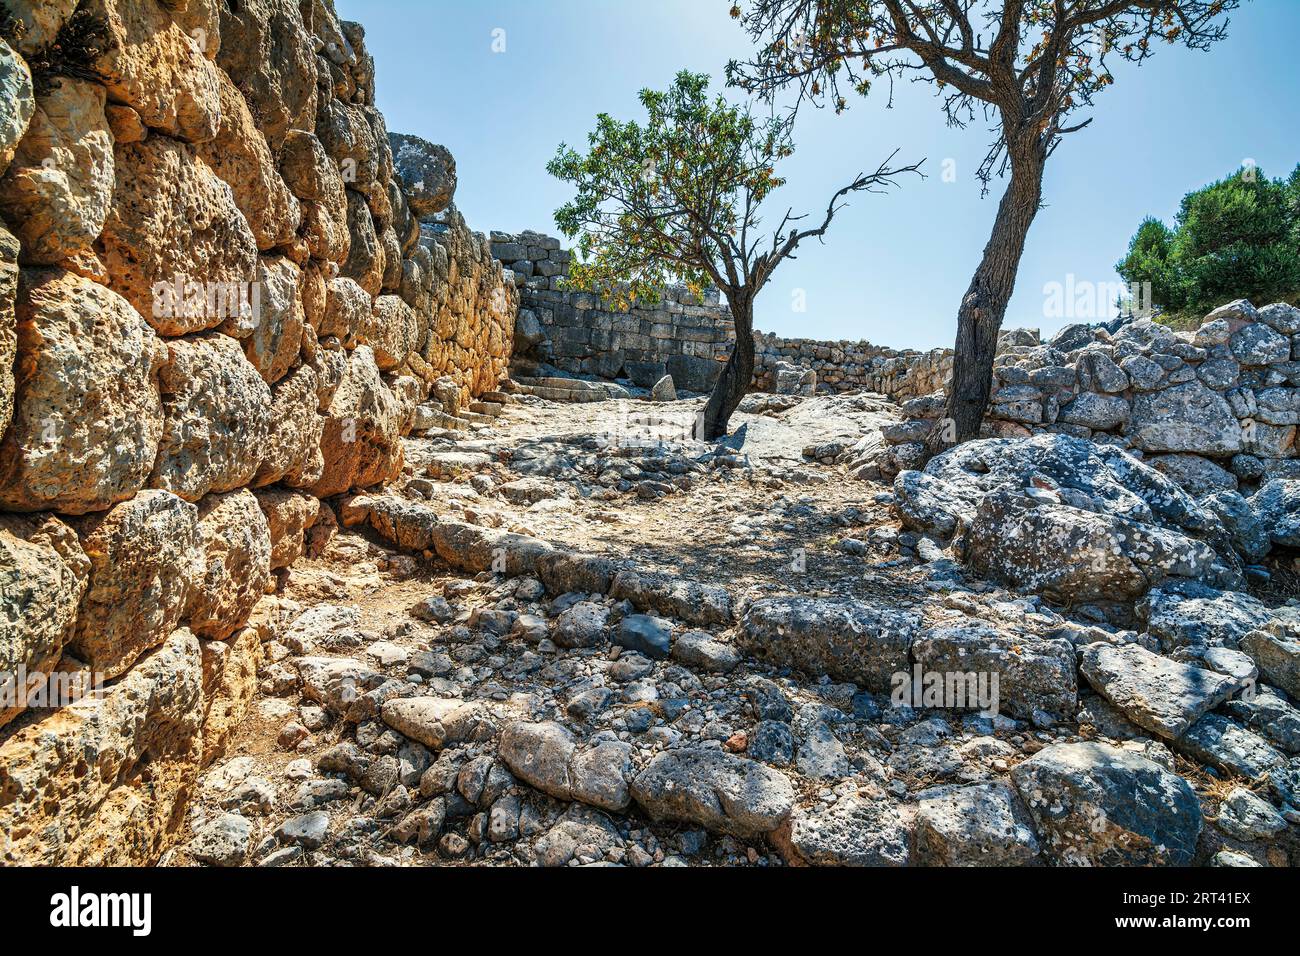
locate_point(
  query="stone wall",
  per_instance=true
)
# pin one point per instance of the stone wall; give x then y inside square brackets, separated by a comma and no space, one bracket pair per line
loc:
[223,293]
[852,366]
[1215,409]
[579,333]
[683,336]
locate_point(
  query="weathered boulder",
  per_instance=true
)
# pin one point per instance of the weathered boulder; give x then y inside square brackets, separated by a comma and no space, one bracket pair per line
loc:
[1192,615]
[234,564]
[437,722]
[692,601]
[88,417]
[1070,555]
[272,334]
[288,516]
[42,579]
[292,453]
[57,191]
[1033,674]
[1278,657]
[1229,748]
[151,64]
[853,831]
[143,562]
[216,418]
[230,672]
[240,156]
[267,51]
[586,624]
[361,443]
[73,788]
[716,790]
[548,757]
[427,173]
[840,637]
[17,102]
[1097,805]
[981,825]
[1185,418]
[1162,695]
[1277,508]
[173,223]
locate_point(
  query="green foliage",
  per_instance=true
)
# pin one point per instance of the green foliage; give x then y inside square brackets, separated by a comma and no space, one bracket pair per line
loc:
[665,200]
[1235,238]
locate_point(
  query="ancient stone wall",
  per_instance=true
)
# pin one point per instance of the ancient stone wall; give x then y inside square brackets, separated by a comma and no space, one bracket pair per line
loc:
[218,306]
[580,333]
[852,366]
[683,336]
[1216,409]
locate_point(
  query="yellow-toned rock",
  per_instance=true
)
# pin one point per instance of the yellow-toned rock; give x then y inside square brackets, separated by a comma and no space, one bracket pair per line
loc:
[105,780]
[88,415]
[362,440]
[229,683]
[288,514]
[144,557]
[173,222]
[158,69]
[234,564]
[57,191]
[292,451]
[42,577]
[240,156]
[217,416]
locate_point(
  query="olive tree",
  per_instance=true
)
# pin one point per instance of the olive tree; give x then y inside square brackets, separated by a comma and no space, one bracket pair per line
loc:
[1028,68]
[678,198]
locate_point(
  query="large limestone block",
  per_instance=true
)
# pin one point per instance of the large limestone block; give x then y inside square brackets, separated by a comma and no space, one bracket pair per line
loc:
[1186,418]
[42,578]
[365,262]
[1095,805]
[346,132]
[17,102]
[288,515]
[272,336]
[267,51]
[716,790]
[292,453]
[240,156]
[362,440]
[40,20]
[235,564]
[217,413]
[391,330]
[427,173]
[57,192]
[143,556]
[88,415]
[229,685]
[104,781]
[8,337]
[157,69]
[174,220]
[347,308]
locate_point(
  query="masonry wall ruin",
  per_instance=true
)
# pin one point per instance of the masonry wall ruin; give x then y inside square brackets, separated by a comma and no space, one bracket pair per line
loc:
[224,292]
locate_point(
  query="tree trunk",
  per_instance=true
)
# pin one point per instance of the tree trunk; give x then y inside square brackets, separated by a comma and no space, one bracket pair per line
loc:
[737,374]
[985,306]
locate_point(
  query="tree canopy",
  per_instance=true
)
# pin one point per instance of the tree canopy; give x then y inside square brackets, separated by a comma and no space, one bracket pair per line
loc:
[1236,238]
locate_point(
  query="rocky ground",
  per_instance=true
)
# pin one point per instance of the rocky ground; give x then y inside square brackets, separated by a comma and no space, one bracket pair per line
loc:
[575,636]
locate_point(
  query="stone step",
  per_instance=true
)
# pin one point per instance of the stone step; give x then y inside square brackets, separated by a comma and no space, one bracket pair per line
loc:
[474,418]
[500,398]
[489,409]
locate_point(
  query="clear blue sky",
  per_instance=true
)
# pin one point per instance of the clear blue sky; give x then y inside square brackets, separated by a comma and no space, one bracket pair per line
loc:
[893,268]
